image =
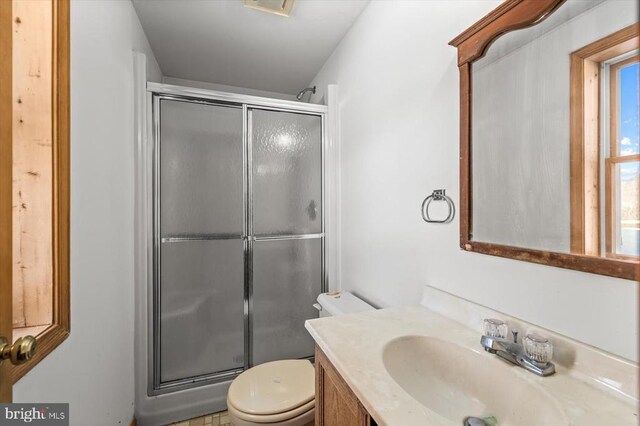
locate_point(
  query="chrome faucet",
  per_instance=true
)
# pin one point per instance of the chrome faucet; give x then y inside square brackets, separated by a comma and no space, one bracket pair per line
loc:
[515,353]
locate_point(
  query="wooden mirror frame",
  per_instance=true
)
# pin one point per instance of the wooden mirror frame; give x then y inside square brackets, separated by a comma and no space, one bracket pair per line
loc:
[472,45]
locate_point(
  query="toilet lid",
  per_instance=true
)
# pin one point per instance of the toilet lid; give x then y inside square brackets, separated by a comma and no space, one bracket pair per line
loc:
[273,387]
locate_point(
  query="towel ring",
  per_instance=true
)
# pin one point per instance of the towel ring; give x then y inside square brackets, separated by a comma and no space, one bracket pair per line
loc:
[438,195]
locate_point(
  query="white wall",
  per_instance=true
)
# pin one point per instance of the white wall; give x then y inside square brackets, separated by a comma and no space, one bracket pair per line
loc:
[93,369]
[226,88]
[398,87]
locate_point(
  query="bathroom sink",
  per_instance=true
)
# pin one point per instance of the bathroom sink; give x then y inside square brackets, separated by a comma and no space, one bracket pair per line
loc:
[456,382]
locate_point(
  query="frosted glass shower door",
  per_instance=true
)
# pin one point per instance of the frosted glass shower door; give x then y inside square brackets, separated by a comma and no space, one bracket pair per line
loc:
[200,296]
[238,237]
[287,225]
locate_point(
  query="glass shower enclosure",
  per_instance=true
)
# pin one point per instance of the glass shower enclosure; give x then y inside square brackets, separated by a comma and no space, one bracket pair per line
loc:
[238,235]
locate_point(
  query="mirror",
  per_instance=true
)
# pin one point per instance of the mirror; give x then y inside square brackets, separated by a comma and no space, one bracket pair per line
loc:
[549,134]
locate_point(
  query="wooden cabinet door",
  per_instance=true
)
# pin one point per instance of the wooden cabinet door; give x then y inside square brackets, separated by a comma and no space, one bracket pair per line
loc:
[336,404]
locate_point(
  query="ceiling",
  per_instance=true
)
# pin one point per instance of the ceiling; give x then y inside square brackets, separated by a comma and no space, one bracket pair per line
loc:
[221,41]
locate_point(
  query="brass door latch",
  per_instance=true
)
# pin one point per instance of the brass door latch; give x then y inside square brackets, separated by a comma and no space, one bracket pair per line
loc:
[20,352]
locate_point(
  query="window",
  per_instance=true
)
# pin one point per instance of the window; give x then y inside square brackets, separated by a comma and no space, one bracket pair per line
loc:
[605,160]
[621,166]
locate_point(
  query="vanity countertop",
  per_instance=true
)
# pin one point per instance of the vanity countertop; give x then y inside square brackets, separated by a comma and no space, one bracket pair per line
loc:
[355,343]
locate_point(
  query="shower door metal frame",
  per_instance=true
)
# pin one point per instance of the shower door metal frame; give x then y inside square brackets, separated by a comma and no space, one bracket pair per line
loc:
[160,92]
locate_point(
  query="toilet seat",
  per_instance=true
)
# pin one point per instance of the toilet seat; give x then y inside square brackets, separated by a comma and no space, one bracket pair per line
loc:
[272,418]
[273,392]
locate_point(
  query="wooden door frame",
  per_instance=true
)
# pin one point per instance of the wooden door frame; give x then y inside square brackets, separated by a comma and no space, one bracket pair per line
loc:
[6,188]
[59,330]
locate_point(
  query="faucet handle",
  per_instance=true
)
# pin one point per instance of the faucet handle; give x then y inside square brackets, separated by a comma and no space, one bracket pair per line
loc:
[538,348]
[494,328]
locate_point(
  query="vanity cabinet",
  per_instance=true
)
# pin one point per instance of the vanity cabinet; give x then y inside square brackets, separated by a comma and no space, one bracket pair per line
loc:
[336,404]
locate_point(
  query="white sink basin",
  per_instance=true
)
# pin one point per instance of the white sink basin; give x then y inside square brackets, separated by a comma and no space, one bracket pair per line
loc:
[457,382]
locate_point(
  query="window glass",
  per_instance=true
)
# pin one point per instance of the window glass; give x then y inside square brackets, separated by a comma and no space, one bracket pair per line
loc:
[626,177]
[628,219]
[628,117]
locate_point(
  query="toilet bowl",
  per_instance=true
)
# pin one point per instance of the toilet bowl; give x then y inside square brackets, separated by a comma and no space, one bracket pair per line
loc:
[283,392]
[273,393]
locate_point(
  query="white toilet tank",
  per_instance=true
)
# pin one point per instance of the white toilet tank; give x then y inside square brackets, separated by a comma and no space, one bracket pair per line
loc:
[340,302]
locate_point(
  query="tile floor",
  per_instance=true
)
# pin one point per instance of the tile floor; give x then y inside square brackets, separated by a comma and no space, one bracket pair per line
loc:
[217,419]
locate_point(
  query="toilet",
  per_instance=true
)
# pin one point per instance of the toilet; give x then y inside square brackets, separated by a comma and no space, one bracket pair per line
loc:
[283,392]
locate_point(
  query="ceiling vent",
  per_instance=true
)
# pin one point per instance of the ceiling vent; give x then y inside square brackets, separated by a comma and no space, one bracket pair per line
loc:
[277,7]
